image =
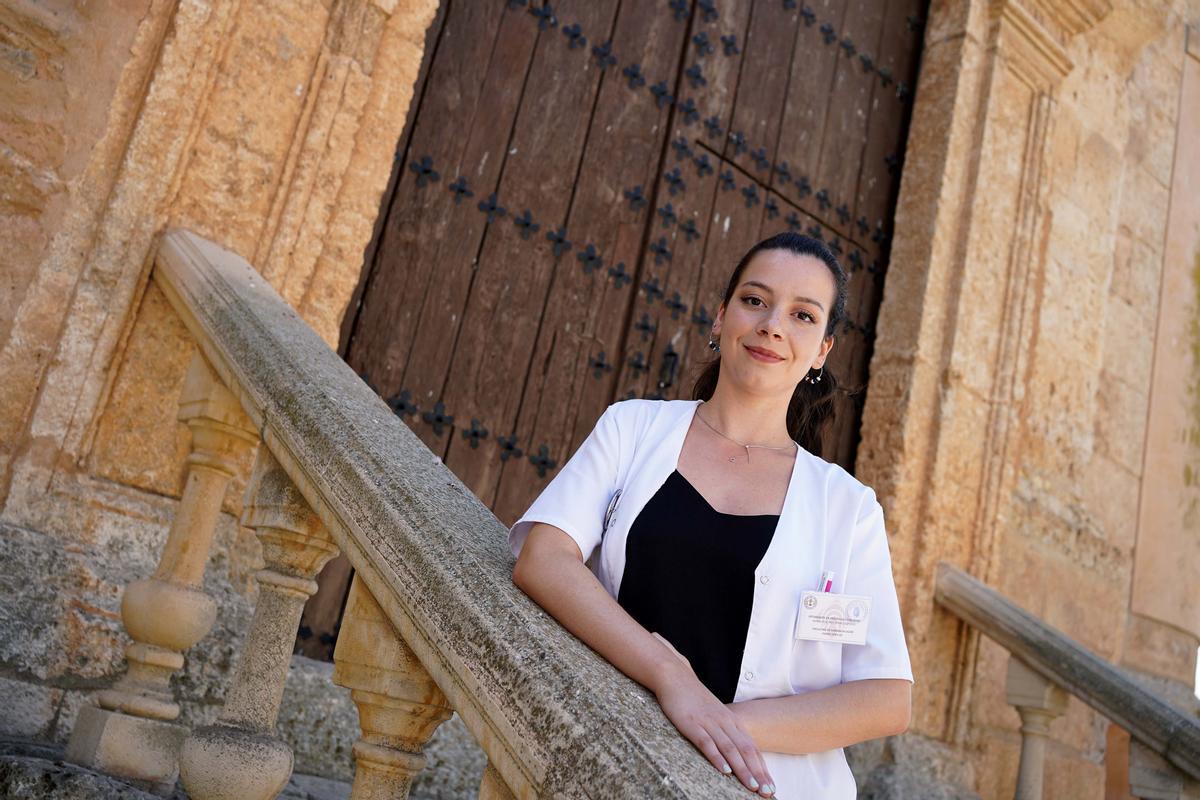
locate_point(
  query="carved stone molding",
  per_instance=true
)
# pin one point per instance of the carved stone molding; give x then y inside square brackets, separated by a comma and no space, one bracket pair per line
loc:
[1071,17]
[1030,51]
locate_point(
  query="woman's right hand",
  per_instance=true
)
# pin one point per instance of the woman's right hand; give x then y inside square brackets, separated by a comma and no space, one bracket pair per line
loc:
[714,729]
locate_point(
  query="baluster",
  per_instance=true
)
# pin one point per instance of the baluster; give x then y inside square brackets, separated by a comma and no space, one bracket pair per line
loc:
[493,787]
[131,734]
[399,705]
[1039,702]
[240,757]
[1152,777]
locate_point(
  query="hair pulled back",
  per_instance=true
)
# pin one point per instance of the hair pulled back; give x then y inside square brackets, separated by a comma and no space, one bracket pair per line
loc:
[812,405]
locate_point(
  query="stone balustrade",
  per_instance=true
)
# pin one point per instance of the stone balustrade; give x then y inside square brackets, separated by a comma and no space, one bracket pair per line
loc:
[1046,666]
[433,622]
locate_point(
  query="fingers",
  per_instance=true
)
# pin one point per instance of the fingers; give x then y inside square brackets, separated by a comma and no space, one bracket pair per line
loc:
[734,757]
[750,754]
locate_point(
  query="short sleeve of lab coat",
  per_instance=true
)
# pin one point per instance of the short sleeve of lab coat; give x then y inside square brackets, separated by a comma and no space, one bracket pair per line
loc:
[577,498]
[885,654]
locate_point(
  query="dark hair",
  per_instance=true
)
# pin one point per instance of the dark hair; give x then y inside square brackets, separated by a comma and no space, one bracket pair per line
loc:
[811,408]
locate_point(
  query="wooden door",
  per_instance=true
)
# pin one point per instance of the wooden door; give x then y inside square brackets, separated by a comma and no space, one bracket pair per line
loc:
[575,184]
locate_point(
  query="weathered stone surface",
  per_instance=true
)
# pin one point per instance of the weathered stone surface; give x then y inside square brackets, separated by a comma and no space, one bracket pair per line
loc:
[910,766]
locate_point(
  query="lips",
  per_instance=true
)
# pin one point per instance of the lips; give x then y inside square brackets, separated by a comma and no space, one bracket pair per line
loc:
[762,355]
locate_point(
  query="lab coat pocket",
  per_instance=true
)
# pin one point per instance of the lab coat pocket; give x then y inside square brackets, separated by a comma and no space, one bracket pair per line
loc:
[815,665]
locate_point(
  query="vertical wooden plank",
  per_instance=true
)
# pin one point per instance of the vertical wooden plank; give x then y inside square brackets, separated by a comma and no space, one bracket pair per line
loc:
[624,151]
[507,306]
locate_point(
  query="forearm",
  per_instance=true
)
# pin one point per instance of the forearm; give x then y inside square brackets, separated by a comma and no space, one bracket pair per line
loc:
[828,718]
[562,585]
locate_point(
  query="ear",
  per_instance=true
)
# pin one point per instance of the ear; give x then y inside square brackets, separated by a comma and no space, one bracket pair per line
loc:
[720,318]
[826,346]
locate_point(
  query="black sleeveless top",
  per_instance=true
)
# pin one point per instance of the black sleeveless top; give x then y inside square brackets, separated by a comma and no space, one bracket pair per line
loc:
[689,577]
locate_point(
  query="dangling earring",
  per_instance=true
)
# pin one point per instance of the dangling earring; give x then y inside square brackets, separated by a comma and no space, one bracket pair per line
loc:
[817,379]
[713,344]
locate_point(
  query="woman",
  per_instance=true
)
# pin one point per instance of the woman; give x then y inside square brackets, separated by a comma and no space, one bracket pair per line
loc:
[708,559]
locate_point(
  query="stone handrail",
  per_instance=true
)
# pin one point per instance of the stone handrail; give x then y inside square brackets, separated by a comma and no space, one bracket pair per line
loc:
[553,718]
[1046,654]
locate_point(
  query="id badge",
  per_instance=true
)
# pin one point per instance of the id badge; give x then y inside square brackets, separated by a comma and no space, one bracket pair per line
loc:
[828,617]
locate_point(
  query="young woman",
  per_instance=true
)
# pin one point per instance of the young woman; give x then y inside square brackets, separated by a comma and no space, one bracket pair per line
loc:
[712,531]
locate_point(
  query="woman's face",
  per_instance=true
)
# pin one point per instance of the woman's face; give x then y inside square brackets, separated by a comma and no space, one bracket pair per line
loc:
[773,329]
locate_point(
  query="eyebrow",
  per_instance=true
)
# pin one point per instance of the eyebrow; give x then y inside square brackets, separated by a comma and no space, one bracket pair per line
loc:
[772,291]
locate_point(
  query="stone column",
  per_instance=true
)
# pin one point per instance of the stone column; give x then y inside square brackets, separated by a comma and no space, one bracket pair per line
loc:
[1039,702]
[493,787]
[130,734]
[240,757]
[399,705]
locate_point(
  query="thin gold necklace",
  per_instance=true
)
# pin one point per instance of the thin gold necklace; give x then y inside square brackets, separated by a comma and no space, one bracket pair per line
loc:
[733,460]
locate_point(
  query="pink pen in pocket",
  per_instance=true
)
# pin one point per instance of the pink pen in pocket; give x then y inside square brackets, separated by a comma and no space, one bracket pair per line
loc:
[826,581]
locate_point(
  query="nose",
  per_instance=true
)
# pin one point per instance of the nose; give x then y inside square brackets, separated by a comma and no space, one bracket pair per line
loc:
[769,324]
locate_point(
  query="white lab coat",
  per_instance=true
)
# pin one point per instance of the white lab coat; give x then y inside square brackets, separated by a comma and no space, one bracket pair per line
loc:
[829,522]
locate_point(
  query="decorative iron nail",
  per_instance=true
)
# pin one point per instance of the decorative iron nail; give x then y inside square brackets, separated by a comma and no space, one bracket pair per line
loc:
[702,320]
[670,363]
[885,76]
[474,433]
[707,10]
[425,171]
[793,221]
[703,45]
[675,182]
[848,47]
[815,232]
[902,91]
[771,207]
[526,224]
[653,290]
[676,305]
[855,259]
[874,269]
[836,246]
[460,189]
[545,16]
[634,73]
[803,187]
[508,447]
[679,8]
[713,126]
[668,215]
[823,199]
[726,180]
[438,418]
[868,63]
[682,148]
[590,259]
[637,200]
[730,44]
[603,55]
[515,3]
[559,238]
[644,325]
[695,76]
[864,227]
[304,632]
[638,363]
[690,230]
[739,143]
[789,5]
[662,95]
[893,163]
[809,16]
[543,461]
[750,192]
[828,33]
[843,213]
[879,237]
[703,165]
[598,365]
[661,251]
[689,111]
[629,395]
[914,23]
[759,157]
[619,275]
[575,37]
[402,405]
[783,173]
[492,208]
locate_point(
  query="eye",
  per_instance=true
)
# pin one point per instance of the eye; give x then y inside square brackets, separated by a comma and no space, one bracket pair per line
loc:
[747,298]
[804,315]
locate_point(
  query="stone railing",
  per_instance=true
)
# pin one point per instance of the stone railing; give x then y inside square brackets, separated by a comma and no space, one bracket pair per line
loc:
[1045,665]
[433,623]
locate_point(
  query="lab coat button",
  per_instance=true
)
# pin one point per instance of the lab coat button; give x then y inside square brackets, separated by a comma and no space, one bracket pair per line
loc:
[765,579]
[749,675]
